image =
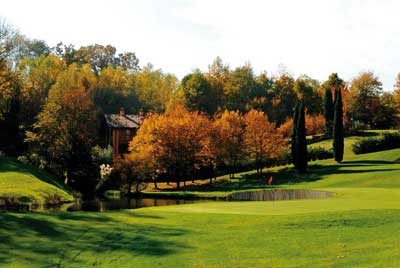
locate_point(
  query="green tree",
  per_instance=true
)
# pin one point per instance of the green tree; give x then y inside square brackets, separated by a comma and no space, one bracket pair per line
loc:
[197,93]
[238,88]
[154,89]
[365,90]
[386,116]
[338,135]
[333,83]
[294,135]
[300,140]
[283,98]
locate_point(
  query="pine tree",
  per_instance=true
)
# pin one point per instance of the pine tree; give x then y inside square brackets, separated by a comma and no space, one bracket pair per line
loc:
[328,111]
[300,140]
[293,145]
[338,136]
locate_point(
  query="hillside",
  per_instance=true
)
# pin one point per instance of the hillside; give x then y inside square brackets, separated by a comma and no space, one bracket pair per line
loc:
[29,183]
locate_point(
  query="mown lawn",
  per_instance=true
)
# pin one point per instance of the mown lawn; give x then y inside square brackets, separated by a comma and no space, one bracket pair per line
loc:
[359,227]
[28,183]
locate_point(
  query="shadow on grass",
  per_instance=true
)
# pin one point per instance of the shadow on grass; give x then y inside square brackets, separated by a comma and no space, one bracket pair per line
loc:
[60,239]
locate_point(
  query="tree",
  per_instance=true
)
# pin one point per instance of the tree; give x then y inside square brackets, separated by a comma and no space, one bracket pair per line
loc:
[315,124]
[231,126]
[115,89]
[293,148]
[38,75]
[283,98]
[65,130]
[177,139]
[197,93]
[300,140]
[331,85]
[154,89]
[218,75]
[329,111]
[365,90]
[387,115]
[286,129]
[262,139]
[338,135]
[238,88]
[100,57]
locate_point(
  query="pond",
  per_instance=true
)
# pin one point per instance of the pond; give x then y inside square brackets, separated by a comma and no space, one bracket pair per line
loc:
[102,205]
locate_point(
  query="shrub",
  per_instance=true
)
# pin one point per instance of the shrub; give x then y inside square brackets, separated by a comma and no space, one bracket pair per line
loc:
[370,145]
[23,159]
[319,153]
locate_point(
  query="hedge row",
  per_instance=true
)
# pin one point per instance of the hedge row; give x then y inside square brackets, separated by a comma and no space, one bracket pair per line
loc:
[370,145]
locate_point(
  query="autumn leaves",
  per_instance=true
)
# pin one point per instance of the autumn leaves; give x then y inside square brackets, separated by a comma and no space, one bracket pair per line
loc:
[179,143]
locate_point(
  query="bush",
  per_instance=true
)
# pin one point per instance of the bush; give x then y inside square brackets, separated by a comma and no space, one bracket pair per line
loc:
[319,153]
[370,145]
[23,159]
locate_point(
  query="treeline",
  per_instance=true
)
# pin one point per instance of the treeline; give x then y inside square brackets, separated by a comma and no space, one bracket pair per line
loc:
[181,145]
[52,100]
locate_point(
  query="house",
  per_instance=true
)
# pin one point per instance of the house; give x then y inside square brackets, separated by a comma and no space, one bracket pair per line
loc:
[120,129]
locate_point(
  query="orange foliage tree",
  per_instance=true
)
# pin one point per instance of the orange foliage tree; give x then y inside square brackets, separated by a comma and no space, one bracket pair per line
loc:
[262,139]
[230,127]
[286,129]
[175,141]
[315,124]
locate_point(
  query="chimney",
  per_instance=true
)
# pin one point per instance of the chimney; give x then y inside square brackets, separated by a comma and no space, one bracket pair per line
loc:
[122,111]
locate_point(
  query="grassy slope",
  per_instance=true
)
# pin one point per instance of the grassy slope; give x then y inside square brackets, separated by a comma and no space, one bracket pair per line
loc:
[357,228]
[28,183]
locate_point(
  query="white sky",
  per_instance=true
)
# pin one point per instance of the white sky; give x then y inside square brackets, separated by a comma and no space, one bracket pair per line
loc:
[313,37]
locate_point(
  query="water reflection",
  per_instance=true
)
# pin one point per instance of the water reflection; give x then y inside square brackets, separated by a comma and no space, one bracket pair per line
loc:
[102,205]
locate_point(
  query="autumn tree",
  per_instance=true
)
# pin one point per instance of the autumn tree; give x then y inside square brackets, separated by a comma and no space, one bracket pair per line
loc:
[38,75]
[65,129]
[286,128]
[144,152]
[261,138]
[177,140]
[315,124]
[231,128]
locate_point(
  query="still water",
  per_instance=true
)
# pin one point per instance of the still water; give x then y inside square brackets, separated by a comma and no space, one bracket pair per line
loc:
[101,205]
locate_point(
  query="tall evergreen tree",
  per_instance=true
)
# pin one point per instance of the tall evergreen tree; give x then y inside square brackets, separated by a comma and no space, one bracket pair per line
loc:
[334,82]
[338,136]
[293,147]
[300,140]
[328,111]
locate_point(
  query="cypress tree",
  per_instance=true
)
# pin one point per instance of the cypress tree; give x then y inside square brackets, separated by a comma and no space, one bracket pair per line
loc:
[328,111]
[300,140]
[338,135]
[293,148]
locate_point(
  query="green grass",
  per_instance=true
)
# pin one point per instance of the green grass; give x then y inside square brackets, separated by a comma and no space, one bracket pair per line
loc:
[359,227]
[28,183]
